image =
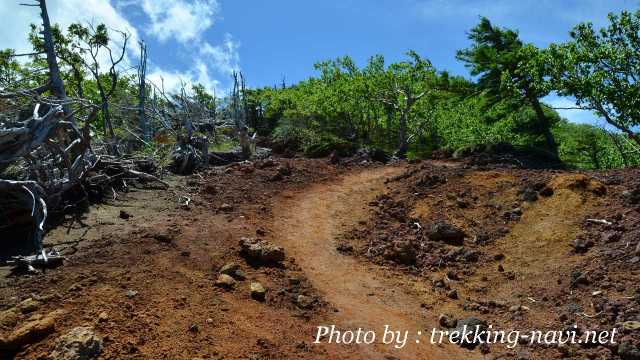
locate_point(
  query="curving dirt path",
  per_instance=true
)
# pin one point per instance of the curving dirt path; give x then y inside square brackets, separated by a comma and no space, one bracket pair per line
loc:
[307,225]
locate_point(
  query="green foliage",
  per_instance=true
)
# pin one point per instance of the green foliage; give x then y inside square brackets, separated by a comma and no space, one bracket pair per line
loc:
[510,72]
[601,70]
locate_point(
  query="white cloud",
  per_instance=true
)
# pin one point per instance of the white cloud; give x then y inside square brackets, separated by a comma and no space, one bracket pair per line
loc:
[179,19]
[224,57]
[172,81]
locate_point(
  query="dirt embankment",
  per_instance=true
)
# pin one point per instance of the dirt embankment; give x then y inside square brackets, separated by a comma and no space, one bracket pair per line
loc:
[518,249]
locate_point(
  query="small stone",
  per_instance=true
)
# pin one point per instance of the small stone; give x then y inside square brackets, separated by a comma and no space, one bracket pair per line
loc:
[163,237]
[498,257]
[80,343]
[345,248]
[226,208]
[131,294]
[229,268]
[124,215]
[461,203]
[447,321]
[103,316]
[258,292]
[194,328]
[225,281]
[453,294]
[546,191]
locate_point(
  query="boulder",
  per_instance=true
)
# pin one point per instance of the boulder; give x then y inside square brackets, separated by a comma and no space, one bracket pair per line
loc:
[80,343]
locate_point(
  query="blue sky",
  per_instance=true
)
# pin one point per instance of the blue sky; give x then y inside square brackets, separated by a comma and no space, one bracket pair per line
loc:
[204,40]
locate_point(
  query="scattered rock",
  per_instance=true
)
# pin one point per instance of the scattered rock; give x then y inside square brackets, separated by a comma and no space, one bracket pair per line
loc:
[232,269]
[546,192]
[226,208]
[462,203]
[579,278]
[581,246]
[258,292]
[513,214]
[481,238]
[447,233]
[345,248]
[261,251]
[225,281]
[163,237]
[131,294]
[103,316]
[401,251]
[124,215]
[80,343]
[447,321]
[471,256]
[453,294]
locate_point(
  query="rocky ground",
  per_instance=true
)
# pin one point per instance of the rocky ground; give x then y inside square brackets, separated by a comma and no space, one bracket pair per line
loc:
[244,261]
[517,249]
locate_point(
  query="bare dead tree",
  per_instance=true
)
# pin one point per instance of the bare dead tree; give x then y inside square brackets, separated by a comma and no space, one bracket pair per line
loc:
[92,41]
[142,93]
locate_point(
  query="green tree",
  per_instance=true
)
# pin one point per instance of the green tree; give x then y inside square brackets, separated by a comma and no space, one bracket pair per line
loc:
[510,71]
[601,68]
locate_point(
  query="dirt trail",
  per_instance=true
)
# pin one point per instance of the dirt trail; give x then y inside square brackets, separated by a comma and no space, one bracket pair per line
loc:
[307,225]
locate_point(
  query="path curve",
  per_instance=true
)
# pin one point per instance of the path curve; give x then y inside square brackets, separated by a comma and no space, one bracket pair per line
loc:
[306,226]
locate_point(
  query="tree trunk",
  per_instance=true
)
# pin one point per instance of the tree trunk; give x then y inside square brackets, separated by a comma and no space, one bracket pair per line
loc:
[142,71]
[403,146]
[543,122]
[57,85]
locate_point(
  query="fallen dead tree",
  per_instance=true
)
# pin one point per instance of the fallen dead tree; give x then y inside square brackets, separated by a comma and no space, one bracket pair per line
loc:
[47,165]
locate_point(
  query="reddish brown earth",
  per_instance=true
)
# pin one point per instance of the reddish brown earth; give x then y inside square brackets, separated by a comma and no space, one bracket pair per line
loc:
[169,255]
